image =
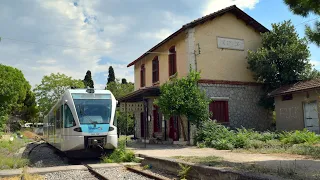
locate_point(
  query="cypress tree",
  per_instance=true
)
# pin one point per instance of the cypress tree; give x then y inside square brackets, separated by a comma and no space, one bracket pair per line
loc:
[124,81]
[87,81]
[111,76]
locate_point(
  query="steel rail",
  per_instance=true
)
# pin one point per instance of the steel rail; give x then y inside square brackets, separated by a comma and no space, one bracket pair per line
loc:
[151,176]
[95,173]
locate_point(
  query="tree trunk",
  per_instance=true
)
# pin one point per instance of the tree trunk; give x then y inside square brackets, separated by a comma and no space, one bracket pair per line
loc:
[182,126]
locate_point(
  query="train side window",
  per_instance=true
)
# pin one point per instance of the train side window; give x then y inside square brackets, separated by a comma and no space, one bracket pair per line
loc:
[58,118]
[69,121]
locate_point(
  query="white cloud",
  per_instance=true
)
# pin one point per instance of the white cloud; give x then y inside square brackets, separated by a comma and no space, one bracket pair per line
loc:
[216,5]
[47,61]
[159,35]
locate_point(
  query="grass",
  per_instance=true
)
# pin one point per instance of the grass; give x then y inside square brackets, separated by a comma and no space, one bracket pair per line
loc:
[11,162]
[8,150]
[207,160]
[121,154]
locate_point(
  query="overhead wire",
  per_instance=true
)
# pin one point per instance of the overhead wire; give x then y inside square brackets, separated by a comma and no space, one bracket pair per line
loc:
[49,44]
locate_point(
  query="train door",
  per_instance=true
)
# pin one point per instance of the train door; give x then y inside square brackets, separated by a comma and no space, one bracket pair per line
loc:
[58,119]
[68,123]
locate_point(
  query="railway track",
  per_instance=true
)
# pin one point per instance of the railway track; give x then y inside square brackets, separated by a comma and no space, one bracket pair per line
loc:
[100,176]
[91,171]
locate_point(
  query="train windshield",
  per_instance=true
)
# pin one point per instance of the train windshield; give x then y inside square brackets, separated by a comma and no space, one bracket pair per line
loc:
[93,111]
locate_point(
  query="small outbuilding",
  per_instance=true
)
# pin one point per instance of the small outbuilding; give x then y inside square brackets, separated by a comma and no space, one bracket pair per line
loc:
[297,106]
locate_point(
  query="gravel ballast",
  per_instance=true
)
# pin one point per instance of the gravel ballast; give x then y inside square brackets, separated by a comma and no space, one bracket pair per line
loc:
[120,173]
[44,155]
[70,175]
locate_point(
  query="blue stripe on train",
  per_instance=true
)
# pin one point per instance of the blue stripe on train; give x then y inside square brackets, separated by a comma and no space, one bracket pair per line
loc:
[100,128]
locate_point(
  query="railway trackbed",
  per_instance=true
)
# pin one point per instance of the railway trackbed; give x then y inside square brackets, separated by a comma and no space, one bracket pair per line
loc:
[88,172]
[133,170]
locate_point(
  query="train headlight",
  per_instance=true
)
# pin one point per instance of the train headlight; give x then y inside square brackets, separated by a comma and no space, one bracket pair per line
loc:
[78,129]
[111,128]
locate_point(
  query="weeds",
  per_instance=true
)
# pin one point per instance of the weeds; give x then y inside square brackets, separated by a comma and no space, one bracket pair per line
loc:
[8,150]
[184,170]
[215,135]
[121,154]
[9,162]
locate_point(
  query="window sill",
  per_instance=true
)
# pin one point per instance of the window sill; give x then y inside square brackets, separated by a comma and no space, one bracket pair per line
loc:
[156,83]
[172,76]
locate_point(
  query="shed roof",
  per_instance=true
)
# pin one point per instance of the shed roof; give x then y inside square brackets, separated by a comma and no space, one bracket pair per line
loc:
[140,94]
[232,9]
[297,87]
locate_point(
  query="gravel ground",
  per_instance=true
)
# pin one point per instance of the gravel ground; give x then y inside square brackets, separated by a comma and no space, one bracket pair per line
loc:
[44,156]
[70,175]
[120,173]
[160,173]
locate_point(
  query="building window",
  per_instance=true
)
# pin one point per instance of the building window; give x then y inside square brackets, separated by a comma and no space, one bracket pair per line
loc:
[286,97]
[172,61]
[219,111]
[155,70]
[142,76]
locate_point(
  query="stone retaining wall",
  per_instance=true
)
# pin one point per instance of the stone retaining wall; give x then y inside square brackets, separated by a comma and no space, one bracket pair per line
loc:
[200,171]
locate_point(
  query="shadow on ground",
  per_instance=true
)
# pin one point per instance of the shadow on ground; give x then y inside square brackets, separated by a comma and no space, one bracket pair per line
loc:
[44,155]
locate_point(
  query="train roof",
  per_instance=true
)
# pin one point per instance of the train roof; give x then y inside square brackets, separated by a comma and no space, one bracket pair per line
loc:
[96,91]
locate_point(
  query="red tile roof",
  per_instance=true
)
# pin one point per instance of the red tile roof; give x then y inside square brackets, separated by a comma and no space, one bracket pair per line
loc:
[297,87]
[232,9]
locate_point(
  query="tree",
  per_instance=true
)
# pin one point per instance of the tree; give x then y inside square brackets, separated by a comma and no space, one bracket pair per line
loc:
[182,97]
[111,76]
[51,89]
[87,81]
[124,81]
[13,89]
[282,60]
[119,89]
[16,97]
[304,8]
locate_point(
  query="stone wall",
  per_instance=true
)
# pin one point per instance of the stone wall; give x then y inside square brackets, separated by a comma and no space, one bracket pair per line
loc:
[243,104]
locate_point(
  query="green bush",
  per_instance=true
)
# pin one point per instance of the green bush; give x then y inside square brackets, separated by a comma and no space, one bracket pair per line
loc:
[306,149]
[299,137]
[212,134]
[222,144]
[121,154]
[255,144]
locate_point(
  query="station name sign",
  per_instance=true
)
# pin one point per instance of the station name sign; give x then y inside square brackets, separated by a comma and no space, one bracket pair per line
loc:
[230,43]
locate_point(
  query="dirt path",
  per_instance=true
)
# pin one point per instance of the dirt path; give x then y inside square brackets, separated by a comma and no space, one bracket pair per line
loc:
[300,163]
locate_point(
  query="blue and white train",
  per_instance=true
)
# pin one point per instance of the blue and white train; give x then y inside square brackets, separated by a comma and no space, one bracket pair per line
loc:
[82,120]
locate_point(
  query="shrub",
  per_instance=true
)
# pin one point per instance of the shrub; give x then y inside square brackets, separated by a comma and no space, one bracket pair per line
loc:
[212,134]
[306,149]
[121,154]
[215,135]
[299,137]
[222,144]
[255,144]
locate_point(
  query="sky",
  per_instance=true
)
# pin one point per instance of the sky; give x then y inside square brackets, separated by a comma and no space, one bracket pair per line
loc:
[41,37]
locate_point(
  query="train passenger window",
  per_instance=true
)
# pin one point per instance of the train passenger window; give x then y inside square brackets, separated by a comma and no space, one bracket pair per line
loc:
[58,118]
[69,121]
